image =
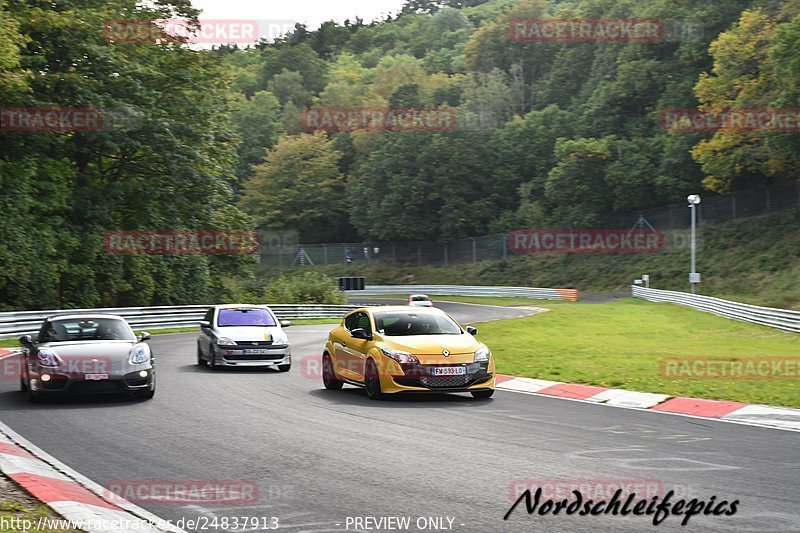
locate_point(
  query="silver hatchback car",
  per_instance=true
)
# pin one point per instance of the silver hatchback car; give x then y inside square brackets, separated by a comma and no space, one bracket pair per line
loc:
[243,335]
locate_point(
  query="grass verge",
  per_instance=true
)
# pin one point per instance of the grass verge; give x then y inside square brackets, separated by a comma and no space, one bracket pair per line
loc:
[621,344]
[20,512]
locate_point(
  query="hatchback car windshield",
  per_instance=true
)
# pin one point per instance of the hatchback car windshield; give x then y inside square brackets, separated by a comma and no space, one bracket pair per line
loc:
[403,323]
[95,329]
[245,317]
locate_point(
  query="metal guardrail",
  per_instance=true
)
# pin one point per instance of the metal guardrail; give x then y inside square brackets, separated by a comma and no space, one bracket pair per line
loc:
[783,319]
[469,290]
[14,324]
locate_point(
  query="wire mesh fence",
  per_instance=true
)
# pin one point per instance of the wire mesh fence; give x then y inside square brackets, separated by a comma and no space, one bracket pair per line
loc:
[673,221]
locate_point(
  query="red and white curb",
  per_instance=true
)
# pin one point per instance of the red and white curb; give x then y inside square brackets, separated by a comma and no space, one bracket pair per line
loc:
[742,413]
[80,501]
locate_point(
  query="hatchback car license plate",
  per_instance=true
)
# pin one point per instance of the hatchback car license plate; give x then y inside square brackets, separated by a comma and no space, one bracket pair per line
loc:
[96,377]
[256,352]
[450,371]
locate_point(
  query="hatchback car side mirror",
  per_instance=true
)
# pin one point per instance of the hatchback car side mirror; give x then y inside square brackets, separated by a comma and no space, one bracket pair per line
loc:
[144,336]
[286,323]
[472,331]
[26,340]
[360,333]
[205,324]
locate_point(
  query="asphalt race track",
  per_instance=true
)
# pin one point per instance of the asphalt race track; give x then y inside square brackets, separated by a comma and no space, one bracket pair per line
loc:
[321,456]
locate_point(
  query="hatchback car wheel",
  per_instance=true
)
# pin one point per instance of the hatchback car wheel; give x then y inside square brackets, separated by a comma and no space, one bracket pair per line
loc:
[200,360]
[328,375]
[372,381]
[212,361]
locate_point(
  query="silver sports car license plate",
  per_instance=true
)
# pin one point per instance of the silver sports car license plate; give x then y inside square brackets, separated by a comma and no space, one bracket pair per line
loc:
[96,377]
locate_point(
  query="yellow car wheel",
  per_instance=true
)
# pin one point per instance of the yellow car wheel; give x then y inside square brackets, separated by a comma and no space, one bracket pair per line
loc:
[372,381]
[329,378]
[482,394]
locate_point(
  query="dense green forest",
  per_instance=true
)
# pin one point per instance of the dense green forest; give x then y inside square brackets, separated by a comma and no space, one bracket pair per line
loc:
[546,133]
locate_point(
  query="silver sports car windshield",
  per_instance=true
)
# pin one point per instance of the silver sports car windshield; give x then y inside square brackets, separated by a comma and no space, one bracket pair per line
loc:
[94,329]
[404,323]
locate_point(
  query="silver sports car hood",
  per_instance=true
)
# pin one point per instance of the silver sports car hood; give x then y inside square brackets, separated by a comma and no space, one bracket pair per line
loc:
[115,351]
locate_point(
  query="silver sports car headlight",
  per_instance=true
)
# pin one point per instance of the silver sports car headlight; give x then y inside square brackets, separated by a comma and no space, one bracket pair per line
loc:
[482,354]
[140,354]
[48,357]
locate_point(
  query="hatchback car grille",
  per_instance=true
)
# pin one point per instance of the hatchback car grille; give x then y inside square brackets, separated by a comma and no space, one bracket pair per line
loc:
[438,382]
[261,357]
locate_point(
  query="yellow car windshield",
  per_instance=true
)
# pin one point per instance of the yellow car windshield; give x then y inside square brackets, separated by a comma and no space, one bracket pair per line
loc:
[405,323]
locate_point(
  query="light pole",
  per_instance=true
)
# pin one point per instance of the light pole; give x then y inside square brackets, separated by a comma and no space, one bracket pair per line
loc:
[694,276]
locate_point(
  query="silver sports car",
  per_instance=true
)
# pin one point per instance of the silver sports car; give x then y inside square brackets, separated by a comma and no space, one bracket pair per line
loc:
[86,354]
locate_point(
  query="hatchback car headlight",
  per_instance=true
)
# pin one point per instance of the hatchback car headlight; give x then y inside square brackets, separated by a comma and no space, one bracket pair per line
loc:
[225,341]
[482,354]
[400,357]
[140,354]
[280,338]
[48,358]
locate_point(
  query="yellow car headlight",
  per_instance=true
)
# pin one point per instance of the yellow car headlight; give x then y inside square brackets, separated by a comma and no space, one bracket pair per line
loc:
[482,354]
[400,357]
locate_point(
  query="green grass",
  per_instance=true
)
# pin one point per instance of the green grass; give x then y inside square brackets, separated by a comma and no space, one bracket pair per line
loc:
[15,509]
[620,345]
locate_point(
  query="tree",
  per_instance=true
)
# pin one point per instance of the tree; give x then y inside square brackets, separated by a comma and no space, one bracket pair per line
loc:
[299,58]
[287,86]
[299,187]
[753,68]
[257,121]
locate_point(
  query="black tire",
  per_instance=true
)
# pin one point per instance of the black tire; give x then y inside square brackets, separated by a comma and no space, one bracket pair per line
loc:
[285,368]
[482,394]
[329,378]
[372,382]
[200,360]
[212,362]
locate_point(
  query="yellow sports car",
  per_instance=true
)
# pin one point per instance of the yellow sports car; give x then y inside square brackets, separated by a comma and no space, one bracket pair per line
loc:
[395,349]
